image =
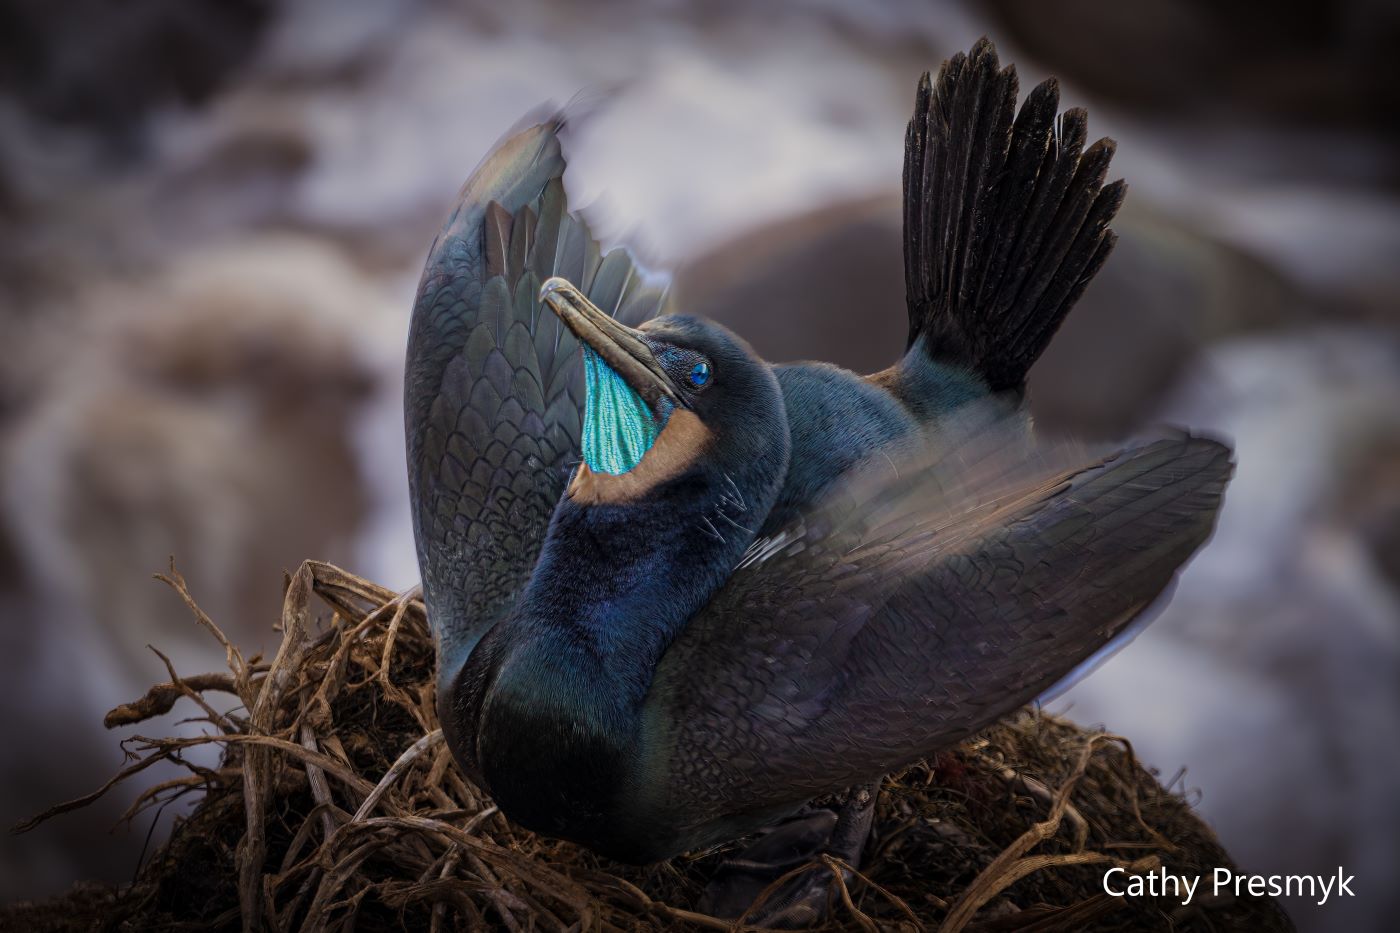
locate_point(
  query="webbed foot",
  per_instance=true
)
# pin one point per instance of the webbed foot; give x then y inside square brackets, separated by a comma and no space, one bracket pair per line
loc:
[804,899]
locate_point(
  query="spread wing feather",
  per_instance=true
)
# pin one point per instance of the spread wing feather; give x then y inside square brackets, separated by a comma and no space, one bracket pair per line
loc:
[494,385]
[916,606]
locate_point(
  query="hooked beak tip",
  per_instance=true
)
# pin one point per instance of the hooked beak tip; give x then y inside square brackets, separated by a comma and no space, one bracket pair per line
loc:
[552,285]
[619,345]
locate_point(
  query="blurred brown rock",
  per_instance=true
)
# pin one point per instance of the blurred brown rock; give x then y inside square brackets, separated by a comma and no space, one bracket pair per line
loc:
[207,410]
[1367,501]
[127,59]
[1321,63]
[830,285]
[209,415]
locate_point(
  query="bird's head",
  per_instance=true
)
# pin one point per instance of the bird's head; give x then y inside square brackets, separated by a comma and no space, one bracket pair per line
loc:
[678,397]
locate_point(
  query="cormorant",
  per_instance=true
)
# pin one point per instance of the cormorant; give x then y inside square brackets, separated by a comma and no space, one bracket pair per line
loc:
[678,592]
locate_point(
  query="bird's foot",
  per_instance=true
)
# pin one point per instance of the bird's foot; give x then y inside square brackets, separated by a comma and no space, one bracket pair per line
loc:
[780,881]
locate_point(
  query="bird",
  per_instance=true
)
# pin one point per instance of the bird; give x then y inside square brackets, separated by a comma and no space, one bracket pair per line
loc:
[679,592]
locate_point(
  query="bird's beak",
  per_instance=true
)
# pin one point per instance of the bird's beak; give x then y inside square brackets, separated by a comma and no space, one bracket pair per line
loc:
[620,346]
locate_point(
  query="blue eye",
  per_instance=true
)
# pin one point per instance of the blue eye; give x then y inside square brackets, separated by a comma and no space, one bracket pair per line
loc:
[700,374]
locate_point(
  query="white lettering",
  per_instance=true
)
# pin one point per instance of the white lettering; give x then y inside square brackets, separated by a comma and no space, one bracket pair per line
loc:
[1283,885]
[1190,888]
[1344,884]
[1106,888]
[1156,883]
[1161,883]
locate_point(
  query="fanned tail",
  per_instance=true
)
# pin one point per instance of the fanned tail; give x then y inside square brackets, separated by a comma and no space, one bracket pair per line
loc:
[1005,221]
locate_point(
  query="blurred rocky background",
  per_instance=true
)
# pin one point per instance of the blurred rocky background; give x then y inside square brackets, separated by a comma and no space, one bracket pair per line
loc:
[213,214]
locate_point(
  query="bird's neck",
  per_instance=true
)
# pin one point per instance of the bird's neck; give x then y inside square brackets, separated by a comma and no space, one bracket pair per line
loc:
[618,582]
[557,688]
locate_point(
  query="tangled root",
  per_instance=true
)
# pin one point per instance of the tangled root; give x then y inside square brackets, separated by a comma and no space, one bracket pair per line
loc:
[337,805]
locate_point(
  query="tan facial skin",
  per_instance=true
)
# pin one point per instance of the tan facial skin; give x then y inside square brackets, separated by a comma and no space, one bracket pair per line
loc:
[676,447]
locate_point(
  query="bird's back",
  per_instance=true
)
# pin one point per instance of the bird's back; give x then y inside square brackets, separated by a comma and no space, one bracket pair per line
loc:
[836,421]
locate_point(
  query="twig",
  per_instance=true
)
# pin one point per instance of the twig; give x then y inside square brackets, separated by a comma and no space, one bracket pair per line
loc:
[316,777]
[894,899]
[252,848]
[162,697]
[386,657]
[1010,866]
[410,755]
[175,581]
[839,877]
[449,865]
[78,803]
[1038,788]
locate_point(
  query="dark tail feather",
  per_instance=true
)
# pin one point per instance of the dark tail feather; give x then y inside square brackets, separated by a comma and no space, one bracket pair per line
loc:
[1005,222]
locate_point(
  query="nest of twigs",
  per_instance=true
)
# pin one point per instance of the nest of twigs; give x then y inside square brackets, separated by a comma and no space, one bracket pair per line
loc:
[337,806]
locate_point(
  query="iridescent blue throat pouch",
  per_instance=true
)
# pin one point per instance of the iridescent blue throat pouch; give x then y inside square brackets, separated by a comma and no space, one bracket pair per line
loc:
[618,427]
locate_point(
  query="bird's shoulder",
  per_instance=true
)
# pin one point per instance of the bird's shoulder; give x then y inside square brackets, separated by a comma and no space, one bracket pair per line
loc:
[836,421]
[834,404]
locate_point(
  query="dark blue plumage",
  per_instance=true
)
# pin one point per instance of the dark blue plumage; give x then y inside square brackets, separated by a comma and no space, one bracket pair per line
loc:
[811,577]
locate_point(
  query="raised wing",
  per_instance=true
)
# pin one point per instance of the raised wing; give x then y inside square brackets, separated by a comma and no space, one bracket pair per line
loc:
[916,606]
[493,388]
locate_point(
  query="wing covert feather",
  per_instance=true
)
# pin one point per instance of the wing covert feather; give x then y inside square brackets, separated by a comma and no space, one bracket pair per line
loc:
[916,606]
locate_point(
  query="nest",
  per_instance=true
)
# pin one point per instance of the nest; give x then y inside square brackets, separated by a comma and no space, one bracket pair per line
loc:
[336,805]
